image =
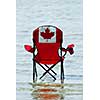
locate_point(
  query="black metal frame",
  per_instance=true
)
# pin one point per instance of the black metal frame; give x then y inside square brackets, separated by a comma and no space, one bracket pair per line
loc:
[34,64]
[62,68]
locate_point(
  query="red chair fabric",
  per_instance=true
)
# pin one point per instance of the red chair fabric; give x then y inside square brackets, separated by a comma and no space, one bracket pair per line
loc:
[47,52]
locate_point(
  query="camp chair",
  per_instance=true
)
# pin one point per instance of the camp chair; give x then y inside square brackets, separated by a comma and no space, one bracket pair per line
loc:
[47,40]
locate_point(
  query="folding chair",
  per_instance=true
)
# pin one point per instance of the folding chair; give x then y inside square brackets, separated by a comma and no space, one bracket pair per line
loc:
[47,40]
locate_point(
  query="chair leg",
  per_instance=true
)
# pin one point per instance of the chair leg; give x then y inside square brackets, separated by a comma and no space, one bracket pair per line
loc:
[46,71]
[51,70]
[62,71]
[34,71]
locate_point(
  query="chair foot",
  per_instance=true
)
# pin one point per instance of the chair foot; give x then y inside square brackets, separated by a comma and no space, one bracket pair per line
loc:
[34,76]
[62,81]
[34,81]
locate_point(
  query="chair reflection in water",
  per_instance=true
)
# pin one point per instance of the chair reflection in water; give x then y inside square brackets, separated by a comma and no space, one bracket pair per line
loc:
[47,40]
[48,92]
[48,96]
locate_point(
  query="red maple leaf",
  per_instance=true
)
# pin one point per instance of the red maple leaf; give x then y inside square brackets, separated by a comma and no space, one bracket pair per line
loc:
[47,34]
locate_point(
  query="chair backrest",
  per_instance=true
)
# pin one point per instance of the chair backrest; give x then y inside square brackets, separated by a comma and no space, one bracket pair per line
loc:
[47,34]
[48,40]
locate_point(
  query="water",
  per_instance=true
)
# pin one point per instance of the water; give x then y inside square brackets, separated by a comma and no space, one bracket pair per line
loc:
[65,14]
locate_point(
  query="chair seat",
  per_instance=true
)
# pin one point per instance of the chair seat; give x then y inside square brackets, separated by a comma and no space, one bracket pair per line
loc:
[47,53]
[46,60]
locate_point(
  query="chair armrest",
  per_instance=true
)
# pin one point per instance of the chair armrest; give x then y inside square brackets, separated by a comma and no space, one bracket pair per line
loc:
[64,50]
[29,48]
[70,48]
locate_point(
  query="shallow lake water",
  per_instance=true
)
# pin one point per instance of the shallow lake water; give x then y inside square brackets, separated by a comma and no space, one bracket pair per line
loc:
[67,15]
